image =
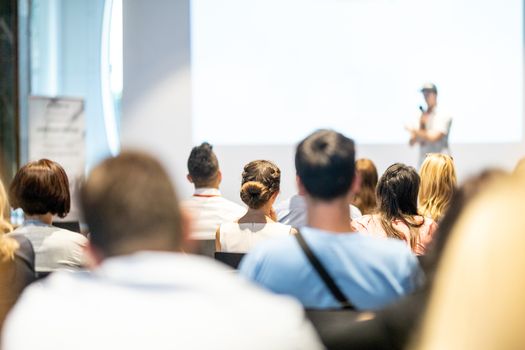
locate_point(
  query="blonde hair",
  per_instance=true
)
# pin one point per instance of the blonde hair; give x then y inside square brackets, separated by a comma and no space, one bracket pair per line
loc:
[5,225]
[365,199]
[482,273]
[8,246]
[520,167]
[438,182]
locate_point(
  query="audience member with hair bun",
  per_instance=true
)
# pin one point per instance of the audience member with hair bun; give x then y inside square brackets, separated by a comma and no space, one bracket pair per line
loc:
[259,189]
[438,183]
[397,214]
[41,189]
[365,199]
[17,261]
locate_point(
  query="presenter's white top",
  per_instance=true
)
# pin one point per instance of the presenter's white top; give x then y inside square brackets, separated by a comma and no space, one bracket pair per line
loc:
[155,300]
[293,211]
[441,122]
[241,238]
[208,210]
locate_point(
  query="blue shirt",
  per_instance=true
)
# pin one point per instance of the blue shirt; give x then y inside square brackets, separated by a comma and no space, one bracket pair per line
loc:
[370,271]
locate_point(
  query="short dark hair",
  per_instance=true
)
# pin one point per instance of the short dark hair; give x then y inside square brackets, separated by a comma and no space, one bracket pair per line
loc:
[261,179]
[41,187]
[203,165]
[325,163]
[129,205]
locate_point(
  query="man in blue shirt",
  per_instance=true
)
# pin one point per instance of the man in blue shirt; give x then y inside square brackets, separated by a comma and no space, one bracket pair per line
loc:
[371,272]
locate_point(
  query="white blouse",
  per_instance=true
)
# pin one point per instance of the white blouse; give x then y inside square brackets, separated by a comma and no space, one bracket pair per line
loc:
[240,238]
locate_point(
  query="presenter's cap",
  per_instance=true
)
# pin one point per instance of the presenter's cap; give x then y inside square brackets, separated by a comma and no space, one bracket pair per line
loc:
[429,87]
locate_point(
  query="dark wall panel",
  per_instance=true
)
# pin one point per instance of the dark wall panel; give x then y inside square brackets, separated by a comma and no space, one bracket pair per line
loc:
[8,89]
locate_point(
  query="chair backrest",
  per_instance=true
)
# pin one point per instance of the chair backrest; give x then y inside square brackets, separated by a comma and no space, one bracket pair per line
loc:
[68,225]
[230,259]
[42,274]
[332,325]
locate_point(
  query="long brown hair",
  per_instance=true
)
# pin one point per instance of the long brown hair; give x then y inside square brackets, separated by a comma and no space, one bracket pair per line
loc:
[397,192]
[365,199]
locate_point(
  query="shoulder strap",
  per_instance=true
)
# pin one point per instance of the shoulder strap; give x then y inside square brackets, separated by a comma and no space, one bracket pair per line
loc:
[325,276]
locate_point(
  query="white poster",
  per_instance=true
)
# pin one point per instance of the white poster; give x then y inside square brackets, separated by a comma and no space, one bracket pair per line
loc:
[57,132]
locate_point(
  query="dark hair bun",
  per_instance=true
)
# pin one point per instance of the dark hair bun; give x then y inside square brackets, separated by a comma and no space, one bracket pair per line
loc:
[254,194]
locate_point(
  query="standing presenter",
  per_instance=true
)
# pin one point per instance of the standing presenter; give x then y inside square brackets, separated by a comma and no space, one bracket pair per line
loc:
[433,127]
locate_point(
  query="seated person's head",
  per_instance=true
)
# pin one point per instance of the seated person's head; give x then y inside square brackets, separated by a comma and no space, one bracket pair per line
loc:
[325,165]
[397,191]
[438,182]
[366,197]
[41,188]
[130,205]
[203,167]
[260,184]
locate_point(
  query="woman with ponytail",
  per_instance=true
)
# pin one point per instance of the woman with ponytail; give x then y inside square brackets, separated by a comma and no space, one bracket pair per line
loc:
[259,189]
[397,214]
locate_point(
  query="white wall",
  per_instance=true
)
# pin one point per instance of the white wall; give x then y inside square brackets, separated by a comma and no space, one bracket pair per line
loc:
[156,92]
[157,110]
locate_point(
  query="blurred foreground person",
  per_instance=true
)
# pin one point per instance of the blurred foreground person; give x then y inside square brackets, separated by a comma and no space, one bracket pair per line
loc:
[477,301]
[17,261]
[144,293]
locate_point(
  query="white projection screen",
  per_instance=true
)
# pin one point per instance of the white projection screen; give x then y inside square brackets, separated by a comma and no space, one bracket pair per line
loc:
[270,71]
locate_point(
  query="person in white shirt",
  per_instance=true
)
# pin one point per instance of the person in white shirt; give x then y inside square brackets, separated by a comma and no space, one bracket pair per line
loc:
[260,185]
[292,211]
[207,206]
[143,292]
[433,127]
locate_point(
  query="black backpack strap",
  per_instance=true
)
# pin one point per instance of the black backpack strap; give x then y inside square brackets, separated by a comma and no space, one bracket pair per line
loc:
[325,276]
